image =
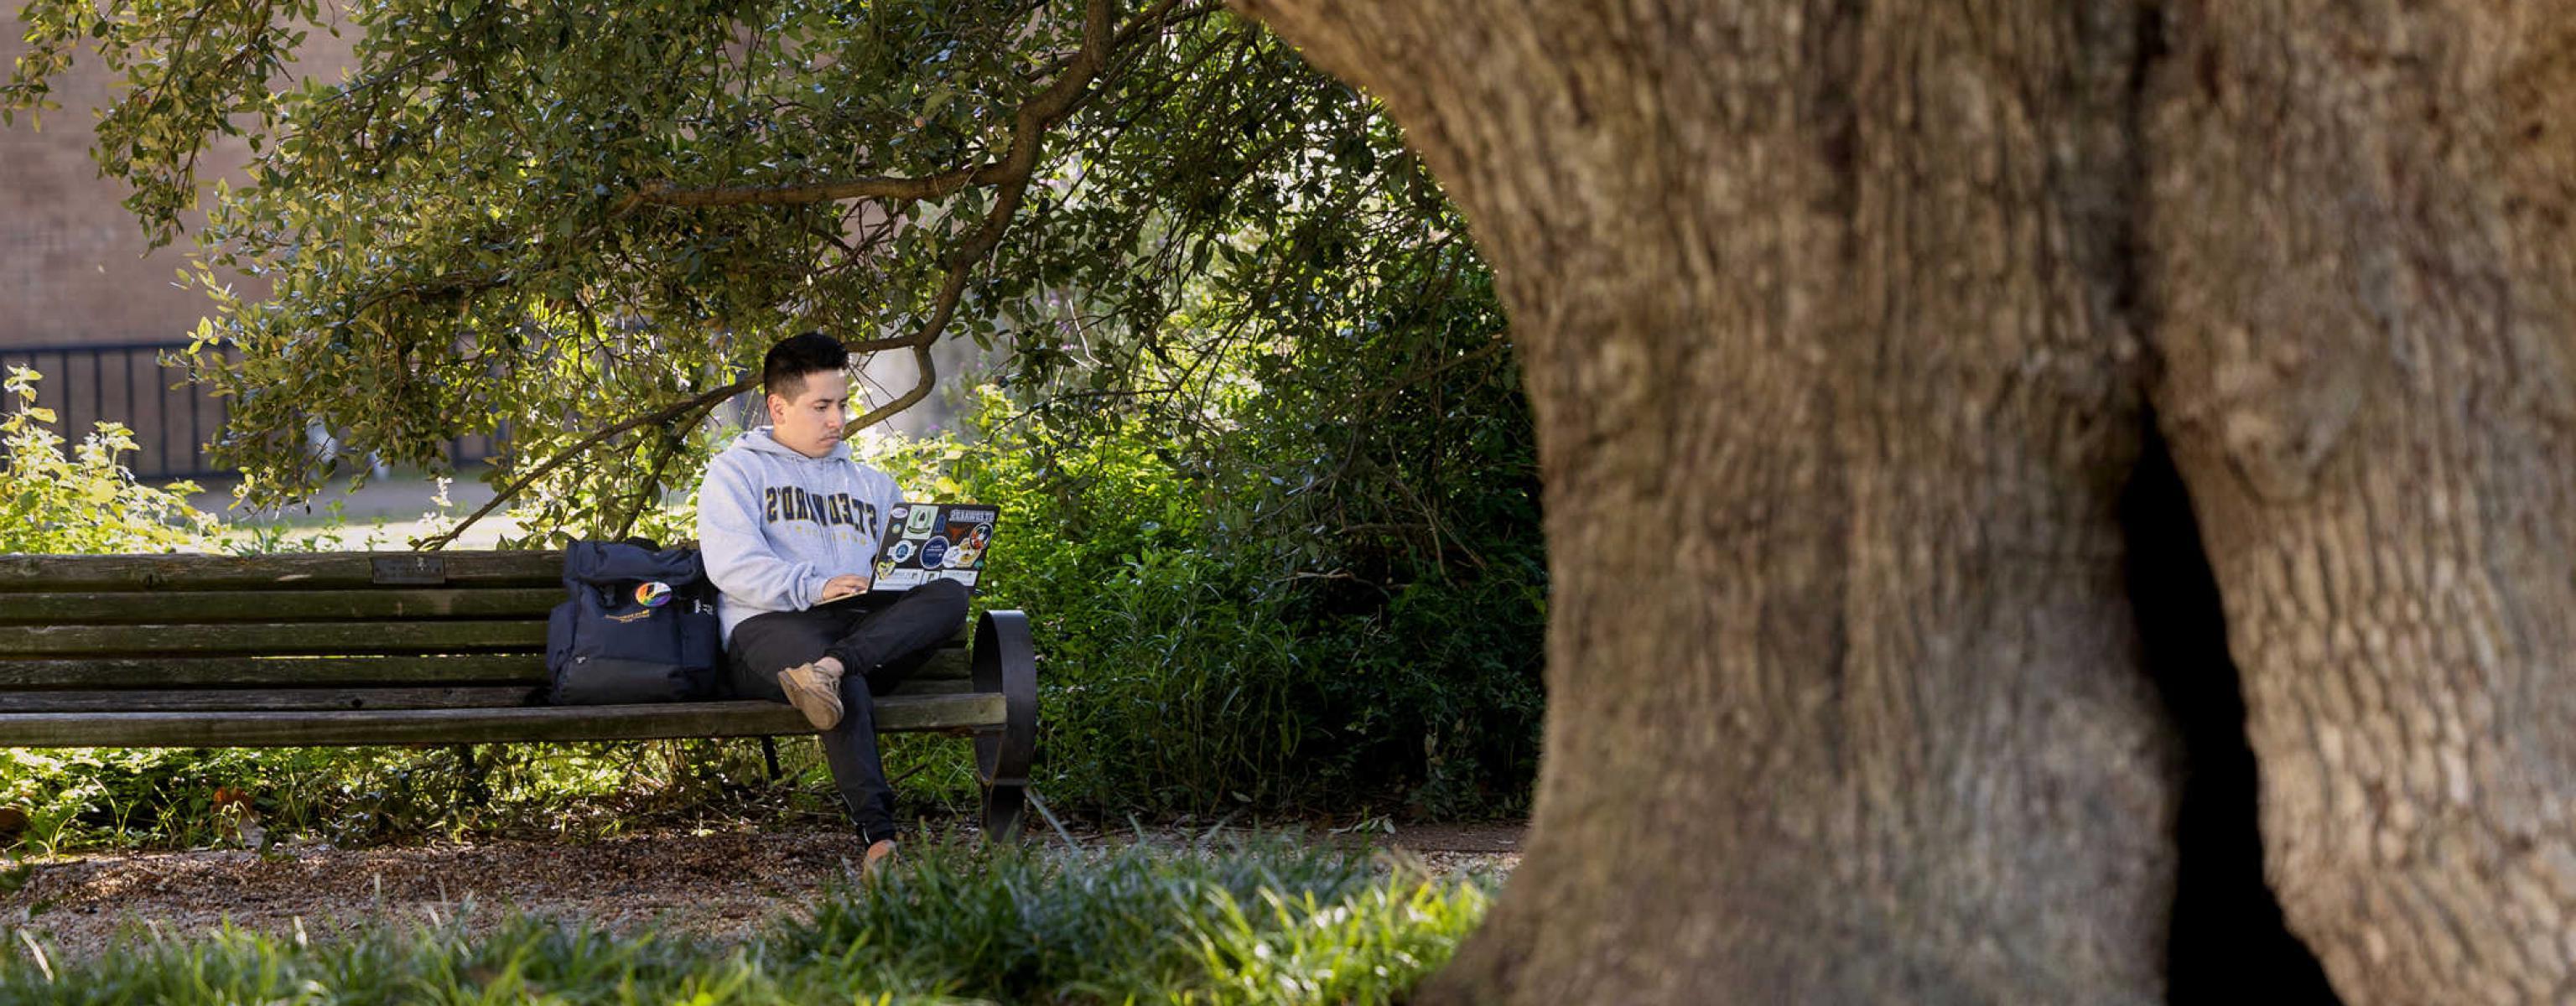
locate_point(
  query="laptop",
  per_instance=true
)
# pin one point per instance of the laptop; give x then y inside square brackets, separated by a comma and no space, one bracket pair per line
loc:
[934,541]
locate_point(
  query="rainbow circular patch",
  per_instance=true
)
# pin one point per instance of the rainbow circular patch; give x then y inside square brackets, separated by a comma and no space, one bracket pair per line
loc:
[653,595]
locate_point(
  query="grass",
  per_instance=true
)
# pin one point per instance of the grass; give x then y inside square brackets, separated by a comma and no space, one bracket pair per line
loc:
[1270,922]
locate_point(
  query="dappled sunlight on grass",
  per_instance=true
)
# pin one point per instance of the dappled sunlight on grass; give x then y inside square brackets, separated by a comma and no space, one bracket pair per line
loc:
[1270,920]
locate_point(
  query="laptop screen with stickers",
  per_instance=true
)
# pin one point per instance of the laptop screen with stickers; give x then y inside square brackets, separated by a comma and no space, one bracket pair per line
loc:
[934,541]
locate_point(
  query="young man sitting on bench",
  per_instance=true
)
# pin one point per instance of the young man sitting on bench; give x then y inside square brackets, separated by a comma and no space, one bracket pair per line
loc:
[789,524]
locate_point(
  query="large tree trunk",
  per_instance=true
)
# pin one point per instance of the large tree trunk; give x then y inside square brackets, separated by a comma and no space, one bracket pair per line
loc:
[2363,263]
[1833,314]
[1822,308]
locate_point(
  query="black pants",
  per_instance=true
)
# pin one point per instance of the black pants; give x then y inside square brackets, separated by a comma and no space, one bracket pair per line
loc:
[878,641]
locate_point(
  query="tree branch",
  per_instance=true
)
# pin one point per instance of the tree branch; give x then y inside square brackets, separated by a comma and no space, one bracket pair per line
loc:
[920,390]
[1156,17]
[873,187]
[704,400]
[664,448]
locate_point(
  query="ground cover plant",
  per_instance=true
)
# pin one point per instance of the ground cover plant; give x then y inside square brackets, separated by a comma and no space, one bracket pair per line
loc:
[1266,922]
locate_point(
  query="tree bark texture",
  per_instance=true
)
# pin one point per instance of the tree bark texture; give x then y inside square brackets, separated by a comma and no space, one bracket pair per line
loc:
[1840,321]
[1823,311]
[2361,261]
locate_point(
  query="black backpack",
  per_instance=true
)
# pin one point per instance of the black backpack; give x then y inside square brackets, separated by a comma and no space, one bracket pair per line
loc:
[640,627]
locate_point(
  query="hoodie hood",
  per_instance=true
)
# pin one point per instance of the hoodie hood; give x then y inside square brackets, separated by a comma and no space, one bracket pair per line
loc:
[758,438]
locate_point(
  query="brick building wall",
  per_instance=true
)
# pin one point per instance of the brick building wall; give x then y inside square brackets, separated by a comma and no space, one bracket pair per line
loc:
[74,266]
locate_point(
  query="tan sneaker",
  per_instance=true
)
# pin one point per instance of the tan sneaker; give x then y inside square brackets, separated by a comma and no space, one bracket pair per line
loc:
[815,692]
[880,858]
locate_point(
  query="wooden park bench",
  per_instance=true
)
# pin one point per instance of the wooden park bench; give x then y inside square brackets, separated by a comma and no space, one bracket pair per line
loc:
[364,648]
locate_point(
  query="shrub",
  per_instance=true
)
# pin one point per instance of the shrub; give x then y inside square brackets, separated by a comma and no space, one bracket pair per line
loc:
[1208,643]
[85,500]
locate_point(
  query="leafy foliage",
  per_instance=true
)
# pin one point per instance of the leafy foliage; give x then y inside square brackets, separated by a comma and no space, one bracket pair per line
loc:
[1290,612]
[84,500]
[1265,923]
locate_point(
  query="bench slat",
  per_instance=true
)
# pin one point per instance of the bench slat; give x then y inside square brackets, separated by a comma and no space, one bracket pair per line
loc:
[147,607]
[104,673]
[211,700]
[934,686]
[165,672]
[263,638]
[319,570]
[475,726]
[300,699]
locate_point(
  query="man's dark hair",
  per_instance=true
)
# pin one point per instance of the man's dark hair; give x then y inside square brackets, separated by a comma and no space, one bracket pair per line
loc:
[783,371]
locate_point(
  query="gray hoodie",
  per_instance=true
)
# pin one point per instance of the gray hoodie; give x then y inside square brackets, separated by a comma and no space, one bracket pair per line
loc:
[775,525]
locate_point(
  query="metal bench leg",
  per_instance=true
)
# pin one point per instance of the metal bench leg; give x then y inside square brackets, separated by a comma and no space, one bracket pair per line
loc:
[1006,662]
[1005,809]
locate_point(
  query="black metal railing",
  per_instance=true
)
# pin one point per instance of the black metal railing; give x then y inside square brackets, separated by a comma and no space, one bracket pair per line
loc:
[171,416]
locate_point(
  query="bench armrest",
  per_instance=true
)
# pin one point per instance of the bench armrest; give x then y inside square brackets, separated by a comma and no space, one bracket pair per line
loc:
[1006,662]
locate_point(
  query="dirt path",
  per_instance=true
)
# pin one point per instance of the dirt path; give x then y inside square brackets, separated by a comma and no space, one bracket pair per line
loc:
[721,885]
